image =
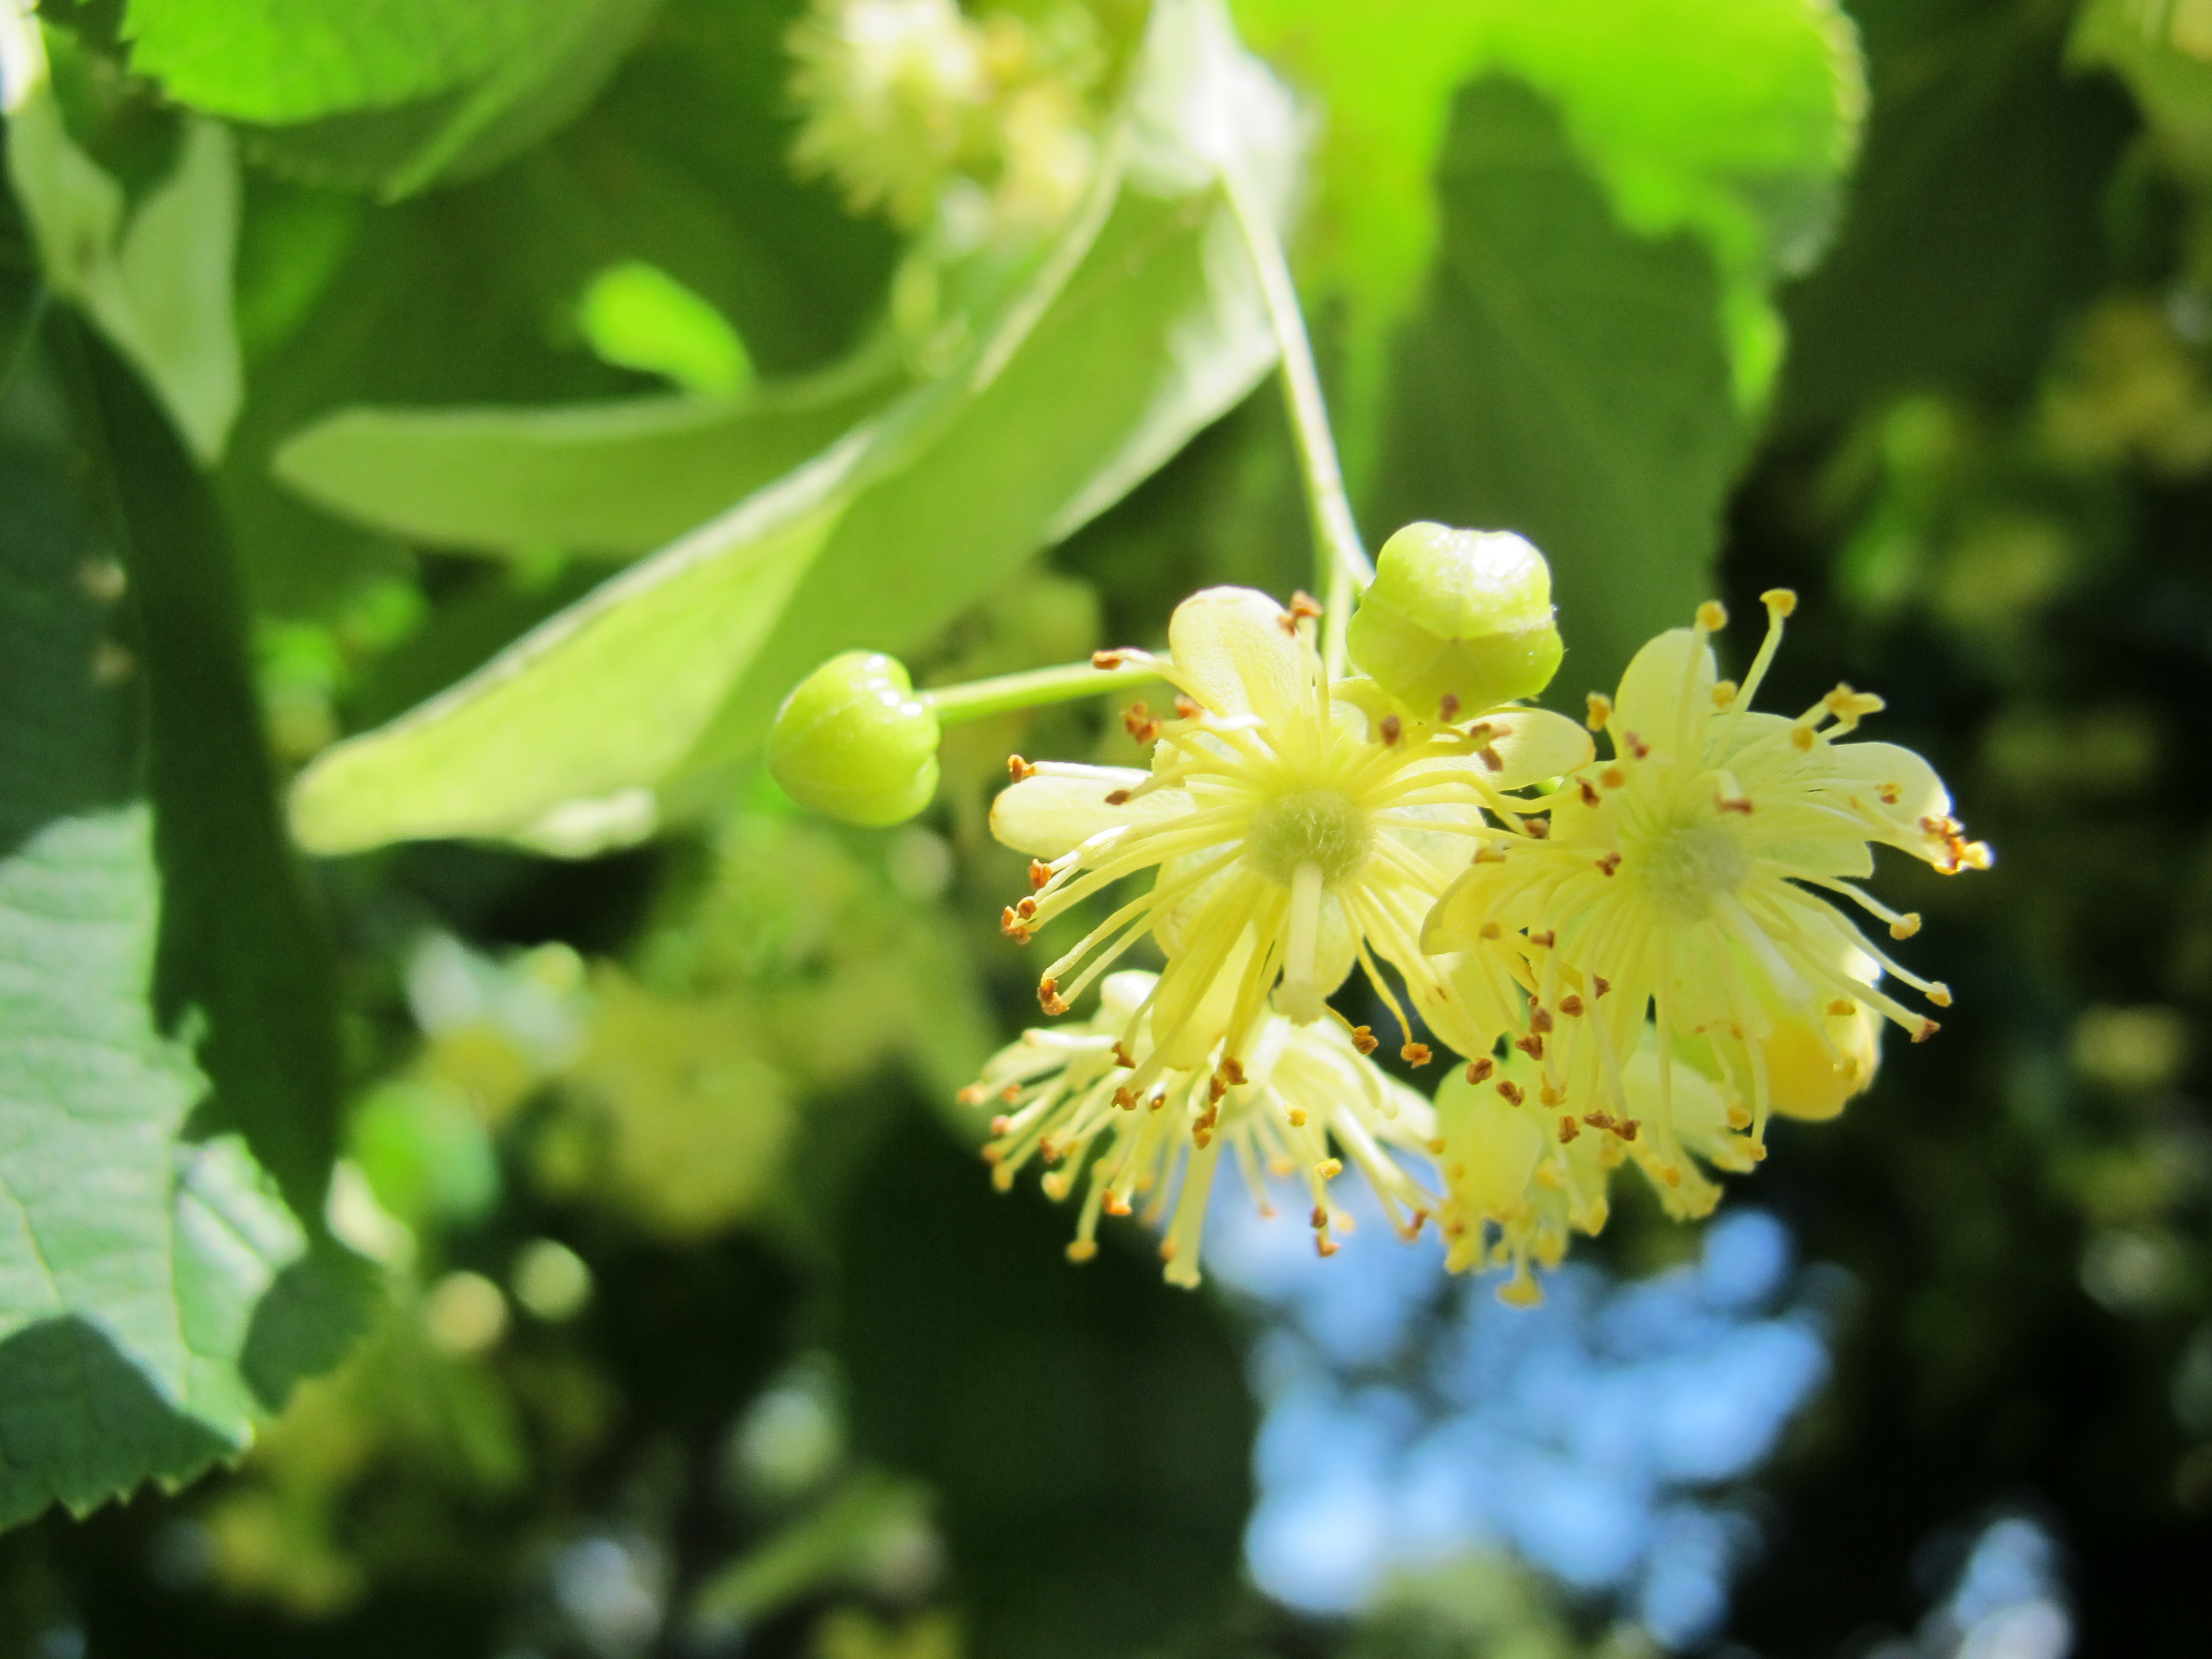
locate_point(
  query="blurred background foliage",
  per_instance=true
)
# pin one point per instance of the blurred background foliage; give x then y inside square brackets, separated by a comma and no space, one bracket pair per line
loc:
[681,1318]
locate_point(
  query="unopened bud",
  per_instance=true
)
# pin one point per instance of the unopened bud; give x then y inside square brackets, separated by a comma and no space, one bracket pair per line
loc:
[854,742]
[1459,615]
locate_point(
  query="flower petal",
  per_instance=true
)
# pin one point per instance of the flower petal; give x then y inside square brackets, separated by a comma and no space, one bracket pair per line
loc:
[1666,697]
[1536,744]
[1053,813]
[1231,643]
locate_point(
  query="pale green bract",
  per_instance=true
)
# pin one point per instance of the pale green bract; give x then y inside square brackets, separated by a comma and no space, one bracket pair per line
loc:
[1141,324]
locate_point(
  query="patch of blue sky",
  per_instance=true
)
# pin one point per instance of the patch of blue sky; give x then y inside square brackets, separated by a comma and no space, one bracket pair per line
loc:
[1410,1418]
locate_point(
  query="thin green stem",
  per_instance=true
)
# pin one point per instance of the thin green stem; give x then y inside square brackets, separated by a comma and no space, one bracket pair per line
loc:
[1344,566]
[980,699]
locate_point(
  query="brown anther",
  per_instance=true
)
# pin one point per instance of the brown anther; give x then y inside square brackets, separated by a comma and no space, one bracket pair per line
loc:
[1157,1099]
[1723,693]
[1325,1247]
[1614,778]
[1107,660]
[1448,707]
[1598,1119]
[1779,601]
[1928,1029]
[1118,798]
[1010,1093]
[1026,908]
[1415,1054]
[1126,1098]
[1050,1149]
[1545,941]
[1510,1089]
[1048,996]
[1186,708]
[1568,1130]
[1842,1008]
[1531,1045]
[974,1095]
[1539,1018]
[1233,1069]
[1626,1128]
[1590,797]
[1479,1069]
[1216,1087]
[1608,863]
[1571,1005]
[1122,1057]
[1305,606]
[1738,804]
[1363,1038]
[1011,925]
[1637,749]
[1905,925]
[1480,732]
[1018,768]
[1040,874]
[1536,829]
[1890,795]
[1601,711]
[1320,1217]
[1137,721]
[1390,728]
[1603,983]
[1712,617]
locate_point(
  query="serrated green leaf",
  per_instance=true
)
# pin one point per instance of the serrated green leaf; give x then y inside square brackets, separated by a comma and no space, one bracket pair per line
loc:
[293,60]
[156,1294]
[1567,380]
[607,478]
[1143,325]
[1734,120]
[385,95]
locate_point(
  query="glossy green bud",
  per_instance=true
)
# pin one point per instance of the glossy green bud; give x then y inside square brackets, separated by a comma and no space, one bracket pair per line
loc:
[854,742]
[1457,621]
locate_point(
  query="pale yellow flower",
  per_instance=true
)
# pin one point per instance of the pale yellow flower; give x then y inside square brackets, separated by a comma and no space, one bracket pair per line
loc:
[1309,1103]
[1295,828]
[1690,880]
[1536,1174]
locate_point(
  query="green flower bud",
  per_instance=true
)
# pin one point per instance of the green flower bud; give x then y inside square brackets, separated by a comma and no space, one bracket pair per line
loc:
[854,742]
[1457,620]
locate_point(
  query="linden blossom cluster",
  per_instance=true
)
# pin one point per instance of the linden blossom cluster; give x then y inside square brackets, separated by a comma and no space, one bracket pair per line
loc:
[1638,957]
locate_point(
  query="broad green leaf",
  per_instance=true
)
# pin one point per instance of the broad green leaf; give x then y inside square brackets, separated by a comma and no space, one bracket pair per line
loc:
[293,60]
[2162,49]
[157,280]
[606,478]
[390,94]
[1733,118]
[156,1294]
[1566,380]
[1966,244]
[1142,325]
